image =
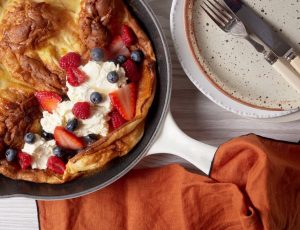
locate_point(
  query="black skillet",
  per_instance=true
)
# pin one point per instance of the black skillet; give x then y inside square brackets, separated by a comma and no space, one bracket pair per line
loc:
[120,166]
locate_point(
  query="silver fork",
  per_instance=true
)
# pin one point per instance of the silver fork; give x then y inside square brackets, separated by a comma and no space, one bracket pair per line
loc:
[229,23]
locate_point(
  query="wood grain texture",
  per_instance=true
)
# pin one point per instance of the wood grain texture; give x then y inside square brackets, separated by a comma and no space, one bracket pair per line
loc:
[194,113]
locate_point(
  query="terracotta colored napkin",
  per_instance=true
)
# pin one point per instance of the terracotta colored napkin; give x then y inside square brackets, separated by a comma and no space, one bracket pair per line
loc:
[254,184]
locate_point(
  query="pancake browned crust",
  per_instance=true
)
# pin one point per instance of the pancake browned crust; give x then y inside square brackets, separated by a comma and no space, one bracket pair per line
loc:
[33,36]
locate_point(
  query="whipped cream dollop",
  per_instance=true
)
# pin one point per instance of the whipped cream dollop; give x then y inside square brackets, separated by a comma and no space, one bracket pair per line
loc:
[97,82]
[41,150]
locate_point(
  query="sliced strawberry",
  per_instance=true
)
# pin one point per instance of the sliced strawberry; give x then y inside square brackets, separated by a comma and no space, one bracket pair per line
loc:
[82,110]
[24,160]
[128,36]
[116,48]
[67,140]
[48,100]
[56,165]
[132,70]
[70,60]
[75,77]
[116,119]
[124,100]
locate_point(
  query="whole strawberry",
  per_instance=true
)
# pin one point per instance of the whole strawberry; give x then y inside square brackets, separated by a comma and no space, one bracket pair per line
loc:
[70,60]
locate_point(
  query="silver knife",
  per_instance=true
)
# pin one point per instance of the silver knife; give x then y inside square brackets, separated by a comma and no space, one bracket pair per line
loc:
[256,25]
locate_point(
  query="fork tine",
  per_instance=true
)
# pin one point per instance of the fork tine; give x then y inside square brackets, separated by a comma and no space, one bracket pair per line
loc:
[219,22]
[213,14]
[219,11]
[224,9]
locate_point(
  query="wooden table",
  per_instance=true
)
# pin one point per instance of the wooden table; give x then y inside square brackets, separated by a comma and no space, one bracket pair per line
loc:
[194,113]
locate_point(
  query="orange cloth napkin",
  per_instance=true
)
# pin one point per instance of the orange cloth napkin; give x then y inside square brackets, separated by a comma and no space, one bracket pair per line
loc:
[254,184]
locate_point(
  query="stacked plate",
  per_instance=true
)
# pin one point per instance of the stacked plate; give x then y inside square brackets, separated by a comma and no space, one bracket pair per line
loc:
[228,70]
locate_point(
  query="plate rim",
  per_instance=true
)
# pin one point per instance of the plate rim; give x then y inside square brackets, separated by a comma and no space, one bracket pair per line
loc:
[177,15]
[189,31]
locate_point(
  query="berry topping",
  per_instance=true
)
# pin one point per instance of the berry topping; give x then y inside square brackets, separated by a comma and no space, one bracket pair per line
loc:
[132,71]
[82,110]
[47,136]
[96,98]
[48,100]
[11,154]
[137,56]
[56,165]
[72,125]
[124,100]
[128,36]
[116,119]
[67,139]
[29,138]
[24,160]
[70,60]
[75,77]
[113,77]
[97,54]
[57,151]
[121,59]
[117,47]
[91,138]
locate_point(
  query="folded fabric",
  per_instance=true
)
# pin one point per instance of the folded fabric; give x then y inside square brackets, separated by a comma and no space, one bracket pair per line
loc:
[254,184]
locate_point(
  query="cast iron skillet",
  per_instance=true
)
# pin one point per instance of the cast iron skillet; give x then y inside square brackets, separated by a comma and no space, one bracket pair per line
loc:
[120,166]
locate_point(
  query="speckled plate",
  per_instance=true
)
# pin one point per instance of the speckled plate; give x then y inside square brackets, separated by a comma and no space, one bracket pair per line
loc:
[233,66]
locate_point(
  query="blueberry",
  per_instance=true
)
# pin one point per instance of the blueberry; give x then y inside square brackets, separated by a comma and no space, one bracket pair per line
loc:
[72,124]
[91,138]
[29,138]
[113,77]
[121,59]
[57,151]
[11,154]
[47,136]
[137,56]
[97,54]
[96,98]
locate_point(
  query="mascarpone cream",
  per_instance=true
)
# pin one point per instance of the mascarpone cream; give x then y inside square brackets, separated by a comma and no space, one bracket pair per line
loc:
[40,151]
[97,82]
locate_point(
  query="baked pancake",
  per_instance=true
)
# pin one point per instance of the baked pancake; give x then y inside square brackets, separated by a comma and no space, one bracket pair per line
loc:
[40,43]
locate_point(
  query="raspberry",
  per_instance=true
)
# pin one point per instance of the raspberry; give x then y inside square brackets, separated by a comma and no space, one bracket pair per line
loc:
[82,110]
[70,60]
[128,36]
[24,160]
[75,76]
[56,165]
[132,71]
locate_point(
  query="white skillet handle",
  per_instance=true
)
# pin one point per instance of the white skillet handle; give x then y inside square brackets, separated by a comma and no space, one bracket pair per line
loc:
[288,73]
[173,141]
[296,63]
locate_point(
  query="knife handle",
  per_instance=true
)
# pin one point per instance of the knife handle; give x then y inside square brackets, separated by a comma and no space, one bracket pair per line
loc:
[296,63]
[288,73]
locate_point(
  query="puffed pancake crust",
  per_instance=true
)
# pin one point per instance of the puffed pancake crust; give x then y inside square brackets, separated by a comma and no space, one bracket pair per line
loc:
[34,35]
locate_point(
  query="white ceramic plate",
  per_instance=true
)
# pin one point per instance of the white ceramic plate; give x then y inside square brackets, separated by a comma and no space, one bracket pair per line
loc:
[232,64]
[196,75]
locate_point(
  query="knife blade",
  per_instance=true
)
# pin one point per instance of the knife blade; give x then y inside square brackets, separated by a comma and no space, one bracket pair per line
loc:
[256,25]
